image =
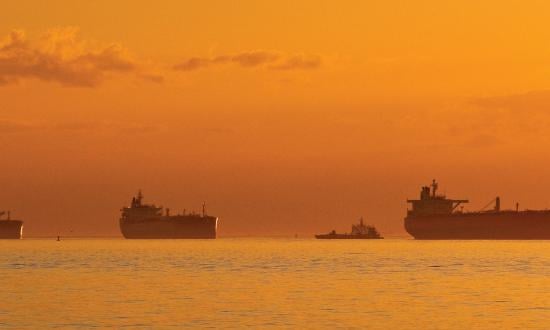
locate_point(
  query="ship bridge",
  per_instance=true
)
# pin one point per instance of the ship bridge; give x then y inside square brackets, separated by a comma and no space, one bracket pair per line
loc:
[138,209]
[431,203]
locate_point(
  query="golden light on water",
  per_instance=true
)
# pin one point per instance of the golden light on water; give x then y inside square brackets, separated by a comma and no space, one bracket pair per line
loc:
[374,284]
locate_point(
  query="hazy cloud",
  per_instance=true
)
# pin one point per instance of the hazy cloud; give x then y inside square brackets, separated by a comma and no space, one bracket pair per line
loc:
[524,116]
[15,126]
[10,125]
[193,63]
[483,140]
[299,62]
[256,58]
[156,78]
[530,101]
[59,56]
[103,126]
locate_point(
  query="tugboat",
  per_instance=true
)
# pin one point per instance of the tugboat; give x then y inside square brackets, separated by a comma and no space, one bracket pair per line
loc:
[10,229]
[358,231]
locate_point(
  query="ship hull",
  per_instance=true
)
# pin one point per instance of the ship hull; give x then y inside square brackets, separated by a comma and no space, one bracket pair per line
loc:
[11,229]
[170,228]
[506,225]
[344,236]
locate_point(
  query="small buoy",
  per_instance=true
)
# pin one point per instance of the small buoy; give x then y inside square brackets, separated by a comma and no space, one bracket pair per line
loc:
[58,238]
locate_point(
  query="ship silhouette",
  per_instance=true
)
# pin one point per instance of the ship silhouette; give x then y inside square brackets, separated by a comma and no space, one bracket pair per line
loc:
[9,228]
[434,216]
[148,221]
[358,231]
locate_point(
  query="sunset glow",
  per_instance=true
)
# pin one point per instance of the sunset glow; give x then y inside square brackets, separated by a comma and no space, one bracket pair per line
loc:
[285,117]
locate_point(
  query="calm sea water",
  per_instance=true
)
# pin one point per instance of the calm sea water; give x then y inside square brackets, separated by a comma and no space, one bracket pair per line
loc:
[289,283]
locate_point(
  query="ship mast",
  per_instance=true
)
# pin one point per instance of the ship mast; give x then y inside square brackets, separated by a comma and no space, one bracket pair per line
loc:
[434,187]
[139,198]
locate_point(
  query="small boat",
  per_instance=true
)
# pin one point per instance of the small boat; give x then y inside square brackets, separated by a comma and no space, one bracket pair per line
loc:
[358,231]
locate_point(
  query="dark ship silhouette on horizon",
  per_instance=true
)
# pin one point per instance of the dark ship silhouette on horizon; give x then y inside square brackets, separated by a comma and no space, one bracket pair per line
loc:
[434,216]
[147,221]
[9,228]
[358,231]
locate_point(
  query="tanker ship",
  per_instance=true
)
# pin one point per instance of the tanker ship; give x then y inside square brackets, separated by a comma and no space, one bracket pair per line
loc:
[10,229]
[148,221]
[434,216]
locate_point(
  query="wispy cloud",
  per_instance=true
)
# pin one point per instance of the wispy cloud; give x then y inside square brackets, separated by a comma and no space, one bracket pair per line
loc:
[60,56]
[193,63]
[256,58]
[299,62]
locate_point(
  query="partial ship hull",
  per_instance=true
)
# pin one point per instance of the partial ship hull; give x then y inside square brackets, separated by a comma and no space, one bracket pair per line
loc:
[170,227]
[345,236]
[506,225]
[11,229]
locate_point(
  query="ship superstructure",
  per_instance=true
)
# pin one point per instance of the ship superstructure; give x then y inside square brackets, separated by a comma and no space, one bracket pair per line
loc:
[434,216]
[141,220]
[10,228]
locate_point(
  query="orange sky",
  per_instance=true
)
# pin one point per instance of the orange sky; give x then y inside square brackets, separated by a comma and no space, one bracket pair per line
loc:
[286,117]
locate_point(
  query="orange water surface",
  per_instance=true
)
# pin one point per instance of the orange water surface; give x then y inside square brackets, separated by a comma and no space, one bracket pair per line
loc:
[291,283]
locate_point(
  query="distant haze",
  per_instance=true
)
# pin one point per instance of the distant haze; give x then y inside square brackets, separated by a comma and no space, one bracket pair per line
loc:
[285,117]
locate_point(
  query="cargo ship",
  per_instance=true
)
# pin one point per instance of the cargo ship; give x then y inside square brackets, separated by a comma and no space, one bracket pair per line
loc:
[147,221]
[9,228]
[358,231]
[434,216]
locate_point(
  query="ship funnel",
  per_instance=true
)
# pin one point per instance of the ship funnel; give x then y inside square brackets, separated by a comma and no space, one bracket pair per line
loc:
[497,204]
